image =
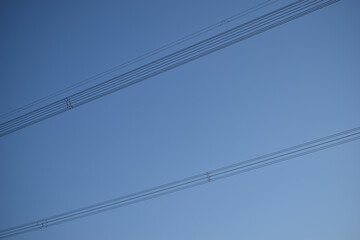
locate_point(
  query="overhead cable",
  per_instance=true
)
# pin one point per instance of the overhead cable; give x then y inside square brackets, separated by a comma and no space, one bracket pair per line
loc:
[142,57]
[199,179]
[205,47]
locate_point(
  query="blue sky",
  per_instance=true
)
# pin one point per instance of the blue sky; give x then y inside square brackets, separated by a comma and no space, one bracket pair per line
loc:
[292,84]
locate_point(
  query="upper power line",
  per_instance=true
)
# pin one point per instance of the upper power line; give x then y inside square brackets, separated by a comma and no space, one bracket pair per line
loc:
[216,174]
[195,51]
[141,57]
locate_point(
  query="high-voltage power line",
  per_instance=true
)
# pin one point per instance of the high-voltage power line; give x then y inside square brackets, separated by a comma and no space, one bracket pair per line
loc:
[195,51]
[217,174]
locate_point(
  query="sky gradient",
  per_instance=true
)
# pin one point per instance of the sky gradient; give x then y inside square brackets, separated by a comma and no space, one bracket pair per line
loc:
[292,84]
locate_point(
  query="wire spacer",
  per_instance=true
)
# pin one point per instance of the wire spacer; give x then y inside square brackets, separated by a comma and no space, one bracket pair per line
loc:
[68,103]
[43,223]
[208,176]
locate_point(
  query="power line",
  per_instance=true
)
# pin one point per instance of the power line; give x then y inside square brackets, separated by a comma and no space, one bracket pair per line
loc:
[142,57]
[74,96]
[195,51]
[210,176]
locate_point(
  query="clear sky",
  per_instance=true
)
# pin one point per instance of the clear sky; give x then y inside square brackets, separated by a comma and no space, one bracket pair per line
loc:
[292,84]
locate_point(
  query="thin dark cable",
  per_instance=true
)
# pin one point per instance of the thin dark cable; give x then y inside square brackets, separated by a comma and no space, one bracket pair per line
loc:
[75,98]
[48,221]
[18,123]
[110,85]
[276,154]
[217,174]
[143,57]
[286,158]
[106,81]
[81,92]
[213,173]
[186,50]
[147,65]
[224,171]
[170,59]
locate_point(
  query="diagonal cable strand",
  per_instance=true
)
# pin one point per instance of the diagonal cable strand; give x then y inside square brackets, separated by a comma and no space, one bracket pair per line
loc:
[219,41]
[75,98]
[171,59]
[142,57]
[199,179]
[135,73]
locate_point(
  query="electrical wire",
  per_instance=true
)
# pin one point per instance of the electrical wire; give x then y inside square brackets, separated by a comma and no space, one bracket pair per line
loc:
[195,51]
[142,57]
[199,179]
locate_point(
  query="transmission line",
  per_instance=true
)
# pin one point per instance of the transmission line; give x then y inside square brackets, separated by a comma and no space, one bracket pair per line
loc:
[195,51]
[142,57]
[210,176]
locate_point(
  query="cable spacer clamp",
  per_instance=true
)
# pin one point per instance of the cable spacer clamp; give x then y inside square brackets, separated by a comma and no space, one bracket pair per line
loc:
[43,223]
[68,103]
[208,176]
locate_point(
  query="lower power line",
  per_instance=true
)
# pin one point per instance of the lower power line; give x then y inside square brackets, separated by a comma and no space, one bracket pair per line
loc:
[210,176]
